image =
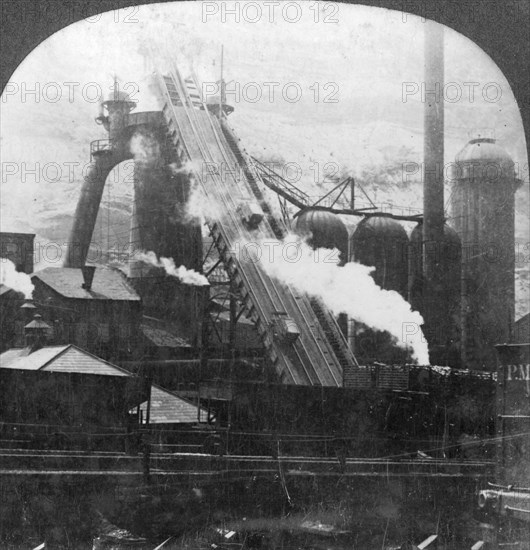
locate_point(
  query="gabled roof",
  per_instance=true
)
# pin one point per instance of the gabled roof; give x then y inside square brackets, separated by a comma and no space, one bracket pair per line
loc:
[38,323]
[108,284]
[22,358]
[4,289]
[67,358]
[166,407]
[77,360]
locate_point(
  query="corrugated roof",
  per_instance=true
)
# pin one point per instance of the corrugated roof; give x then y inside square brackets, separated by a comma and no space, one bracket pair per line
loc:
[79,361]
[37,323]
[108,284]
[167,408]
[68,358]
[21,358]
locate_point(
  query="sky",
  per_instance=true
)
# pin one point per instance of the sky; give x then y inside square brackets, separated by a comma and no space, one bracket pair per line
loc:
[337,74]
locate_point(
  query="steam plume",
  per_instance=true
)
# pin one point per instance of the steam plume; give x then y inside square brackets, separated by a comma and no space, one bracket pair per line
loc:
[198,207]
[145,148]
[349,289]
[10,277]
[186,276]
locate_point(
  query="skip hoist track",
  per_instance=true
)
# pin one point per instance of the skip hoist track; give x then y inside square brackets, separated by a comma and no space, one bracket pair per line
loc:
[320,354]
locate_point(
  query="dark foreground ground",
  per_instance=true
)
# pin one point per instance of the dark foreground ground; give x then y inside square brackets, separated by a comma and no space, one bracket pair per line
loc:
[286,510]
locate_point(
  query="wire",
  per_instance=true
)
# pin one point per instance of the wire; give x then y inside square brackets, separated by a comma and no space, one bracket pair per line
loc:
[270,436]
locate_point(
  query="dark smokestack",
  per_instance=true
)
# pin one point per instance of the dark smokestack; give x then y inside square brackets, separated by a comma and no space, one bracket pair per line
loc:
[88,276]
[433,190]
[433,148]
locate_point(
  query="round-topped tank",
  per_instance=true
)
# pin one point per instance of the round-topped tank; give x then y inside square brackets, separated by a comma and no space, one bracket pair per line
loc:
[483,158]
[382,242]
[482,200]
[323,229]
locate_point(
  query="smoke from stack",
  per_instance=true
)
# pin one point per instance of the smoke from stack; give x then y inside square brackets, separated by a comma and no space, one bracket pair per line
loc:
[185,275]
[9,276]
[187,168]
[349,289]
[145,148]
[198,207]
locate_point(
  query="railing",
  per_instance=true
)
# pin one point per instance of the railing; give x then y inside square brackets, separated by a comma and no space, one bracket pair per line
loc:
[101,146]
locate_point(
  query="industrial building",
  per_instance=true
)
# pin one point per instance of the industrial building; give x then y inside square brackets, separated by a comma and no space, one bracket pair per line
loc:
[95,309]
[244,376]
[71,394]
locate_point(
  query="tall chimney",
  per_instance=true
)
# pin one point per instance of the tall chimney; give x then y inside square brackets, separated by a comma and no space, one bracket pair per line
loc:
[433,147]
[433,178]
[88,276]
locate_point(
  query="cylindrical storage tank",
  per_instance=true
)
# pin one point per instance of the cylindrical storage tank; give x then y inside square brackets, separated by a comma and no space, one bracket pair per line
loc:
[482,209]
[382,242]
[323,230]
[444,338]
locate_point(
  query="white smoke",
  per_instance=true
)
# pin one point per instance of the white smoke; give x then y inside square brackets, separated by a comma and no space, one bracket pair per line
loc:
[188,168]
[348,289]
[10,277]
[198,207]
[185,275]
[145,148]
